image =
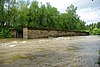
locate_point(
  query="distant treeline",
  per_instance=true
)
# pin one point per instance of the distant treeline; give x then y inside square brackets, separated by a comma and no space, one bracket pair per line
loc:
[19,13]
[94,28]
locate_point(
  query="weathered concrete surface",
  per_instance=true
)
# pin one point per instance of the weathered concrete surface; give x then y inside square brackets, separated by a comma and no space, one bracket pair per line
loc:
[42,33]
[77,51]
[25,33]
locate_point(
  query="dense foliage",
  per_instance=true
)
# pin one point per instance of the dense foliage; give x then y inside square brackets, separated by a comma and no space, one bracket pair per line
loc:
[5,33]
[94,28]
[18,13]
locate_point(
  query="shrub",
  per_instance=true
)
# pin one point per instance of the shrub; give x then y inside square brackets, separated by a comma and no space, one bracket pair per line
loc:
[5,33]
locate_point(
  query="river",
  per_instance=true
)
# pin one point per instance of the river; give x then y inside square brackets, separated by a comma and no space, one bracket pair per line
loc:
[75,51]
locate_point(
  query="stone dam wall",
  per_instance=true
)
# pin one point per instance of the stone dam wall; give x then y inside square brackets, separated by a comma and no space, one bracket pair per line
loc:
[29,33]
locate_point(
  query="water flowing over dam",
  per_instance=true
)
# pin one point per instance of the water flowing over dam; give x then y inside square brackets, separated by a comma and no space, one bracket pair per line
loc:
[74,51]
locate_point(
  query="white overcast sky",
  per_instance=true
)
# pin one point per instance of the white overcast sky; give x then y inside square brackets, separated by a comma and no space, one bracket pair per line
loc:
[88,10]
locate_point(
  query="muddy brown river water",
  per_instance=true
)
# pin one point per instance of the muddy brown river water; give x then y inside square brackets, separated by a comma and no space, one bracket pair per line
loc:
[76,51]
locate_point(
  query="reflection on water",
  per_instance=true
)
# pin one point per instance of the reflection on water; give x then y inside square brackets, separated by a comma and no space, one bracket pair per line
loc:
[76,51]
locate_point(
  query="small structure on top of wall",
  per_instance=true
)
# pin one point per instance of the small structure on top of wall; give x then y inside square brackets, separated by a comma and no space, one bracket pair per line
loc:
[29,32]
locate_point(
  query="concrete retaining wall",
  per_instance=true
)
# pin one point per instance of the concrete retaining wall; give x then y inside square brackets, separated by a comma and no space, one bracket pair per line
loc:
[44,33]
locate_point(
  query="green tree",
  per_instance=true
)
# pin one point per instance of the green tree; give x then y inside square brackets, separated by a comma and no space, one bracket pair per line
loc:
[22,17]
[33,14]
[73,21]
[98,24]
[41,13]
[3,12]
[72,16]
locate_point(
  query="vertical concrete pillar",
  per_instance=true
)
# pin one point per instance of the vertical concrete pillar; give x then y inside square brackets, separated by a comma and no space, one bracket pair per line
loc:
[25,33]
